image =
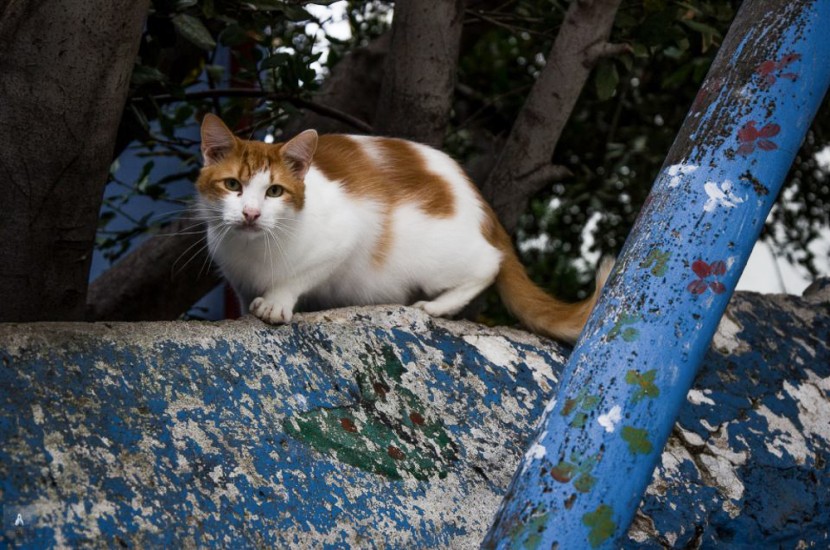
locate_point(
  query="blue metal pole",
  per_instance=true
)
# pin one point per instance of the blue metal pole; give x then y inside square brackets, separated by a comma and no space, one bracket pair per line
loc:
[582,479]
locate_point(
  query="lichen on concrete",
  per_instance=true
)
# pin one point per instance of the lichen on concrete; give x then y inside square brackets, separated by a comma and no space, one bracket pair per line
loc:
[383,427]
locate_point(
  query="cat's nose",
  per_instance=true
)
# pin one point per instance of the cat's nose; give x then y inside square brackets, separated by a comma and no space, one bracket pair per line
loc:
[251,214]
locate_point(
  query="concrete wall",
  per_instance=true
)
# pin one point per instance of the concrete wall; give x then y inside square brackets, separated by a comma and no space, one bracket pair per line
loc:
[373,427]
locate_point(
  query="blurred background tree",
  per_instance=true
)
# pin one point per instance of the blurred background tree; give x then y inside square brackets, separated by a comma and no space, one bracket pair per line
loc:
[273,67]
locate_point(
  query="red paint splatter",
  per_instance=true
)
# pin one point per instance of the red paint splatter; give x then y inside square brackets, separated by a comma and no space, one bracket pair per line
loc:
[703,271]
[751,137]
[771,70]
[395,453]
[416,419]
[705,94]
[348,424]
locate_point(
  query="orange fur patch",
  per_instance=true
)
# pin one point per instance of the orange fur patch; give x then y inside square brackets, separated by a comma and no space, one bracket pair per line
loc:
[401,177]
[537,310]
[246,159]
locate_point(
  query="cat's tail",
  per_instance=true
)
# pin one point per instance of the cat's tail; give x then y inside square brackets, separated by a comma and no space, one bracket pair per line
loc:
[537,310]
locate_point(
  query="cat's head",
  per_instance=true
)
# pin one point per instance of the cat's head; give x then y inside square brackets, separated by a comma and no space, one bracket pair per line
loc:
[252,186]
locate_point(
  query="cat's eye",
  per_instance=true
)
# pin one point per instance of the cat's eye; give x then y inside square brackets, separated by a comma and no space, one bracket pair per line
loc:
[233,184]
[274,191]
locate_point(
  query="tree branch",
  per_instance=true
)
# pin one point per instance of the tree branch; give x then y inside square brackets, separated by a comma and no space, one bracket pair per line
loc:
[419,75]
[271,96]
[544,175]
[137,287]
[481,16]
[602,50]
[539,125]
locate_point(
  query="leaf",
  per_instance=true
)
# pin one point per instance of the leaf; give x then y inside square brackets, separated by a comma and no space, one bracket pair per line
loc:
[194,31]
[600,524]
[579,420]
[677,78]
[640,50]
[767,145]
[702,28]
[563,472]
[746,148]
[143,74]
[646,383]
[697,286]
[296,13]
[215,71]
[637,440]
[769,130]
[182,5]
[234,35]
[766,67]
[275,61]
[105,218]
[630,334]
[701,268]
[590,402]
[748,132]
[717,287]
[654,5]
[718,267]
[585,483]
[606,80]
[144,177]
[569,406]
[263,5]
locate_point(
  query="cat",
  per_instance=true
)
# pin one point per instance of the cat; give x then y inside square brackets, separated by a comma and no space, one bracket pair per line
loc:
[341,220]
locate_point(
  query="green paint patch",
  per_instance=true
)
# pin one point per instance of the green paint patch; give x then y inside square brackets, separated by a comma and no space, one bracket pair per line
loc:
[658,261]
[528,535]
[385,432]
[582,404]
[621,328]
[637,440]
[578,469]
[646,383]
[600,524]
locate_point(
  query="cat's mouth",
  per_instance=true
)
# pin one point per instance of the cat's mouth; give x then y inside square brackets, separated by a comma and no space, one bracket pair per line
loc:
[248,227]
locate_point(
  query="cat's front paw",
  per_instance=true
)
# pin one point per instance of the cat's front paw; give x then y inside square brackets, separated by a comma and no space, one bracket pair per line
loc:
[272,311]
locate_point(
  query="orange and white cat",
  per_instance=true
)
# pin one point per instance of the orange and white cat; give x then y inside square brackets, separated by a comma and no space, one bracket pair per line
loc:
[337,220]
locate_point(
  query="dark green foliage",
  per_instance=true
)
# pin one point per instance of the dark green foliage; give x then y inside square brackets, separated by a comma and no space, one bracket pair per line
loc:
[614,144]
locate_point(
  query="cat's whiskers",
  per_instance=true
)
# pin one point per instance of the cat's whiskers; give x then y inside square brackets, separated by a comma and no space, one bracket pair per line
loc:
[212,249]
[198,251]
[206,262]
[288,265]
[188,249]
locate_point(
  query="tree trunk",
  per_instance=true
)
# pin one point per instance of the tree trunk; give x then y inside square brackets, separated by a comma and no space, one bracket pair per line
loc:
[354,87]
[419,75]
[161,279]
[64,72]
[524,165]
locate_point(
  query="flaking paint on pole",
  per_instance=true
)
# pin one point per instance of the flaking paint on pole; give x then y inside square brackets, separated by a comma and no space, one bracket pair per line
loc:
[582,479]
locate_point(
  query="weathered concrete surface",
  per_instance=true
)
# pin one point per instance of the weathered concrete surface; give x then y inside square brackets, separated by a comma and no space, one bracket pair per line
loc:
[382,428]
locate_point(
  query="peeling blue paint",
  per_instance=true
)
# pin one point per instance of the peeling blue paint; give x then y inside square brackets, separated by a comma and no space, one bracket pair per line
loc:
[703,215]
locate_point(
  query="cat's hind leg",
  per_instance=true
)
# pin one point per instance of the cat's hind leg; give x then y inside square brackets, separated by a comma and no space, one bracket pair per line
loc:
[453,300]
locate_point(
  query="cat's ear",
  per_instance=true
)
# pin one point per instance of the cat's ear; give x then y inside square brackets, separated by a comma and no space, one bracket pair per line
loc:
[217,139]
[298,152]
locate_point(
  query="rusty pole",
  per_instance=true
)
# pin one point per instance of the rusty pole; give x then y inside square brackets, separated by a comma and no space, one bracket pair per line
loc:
[581,481]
